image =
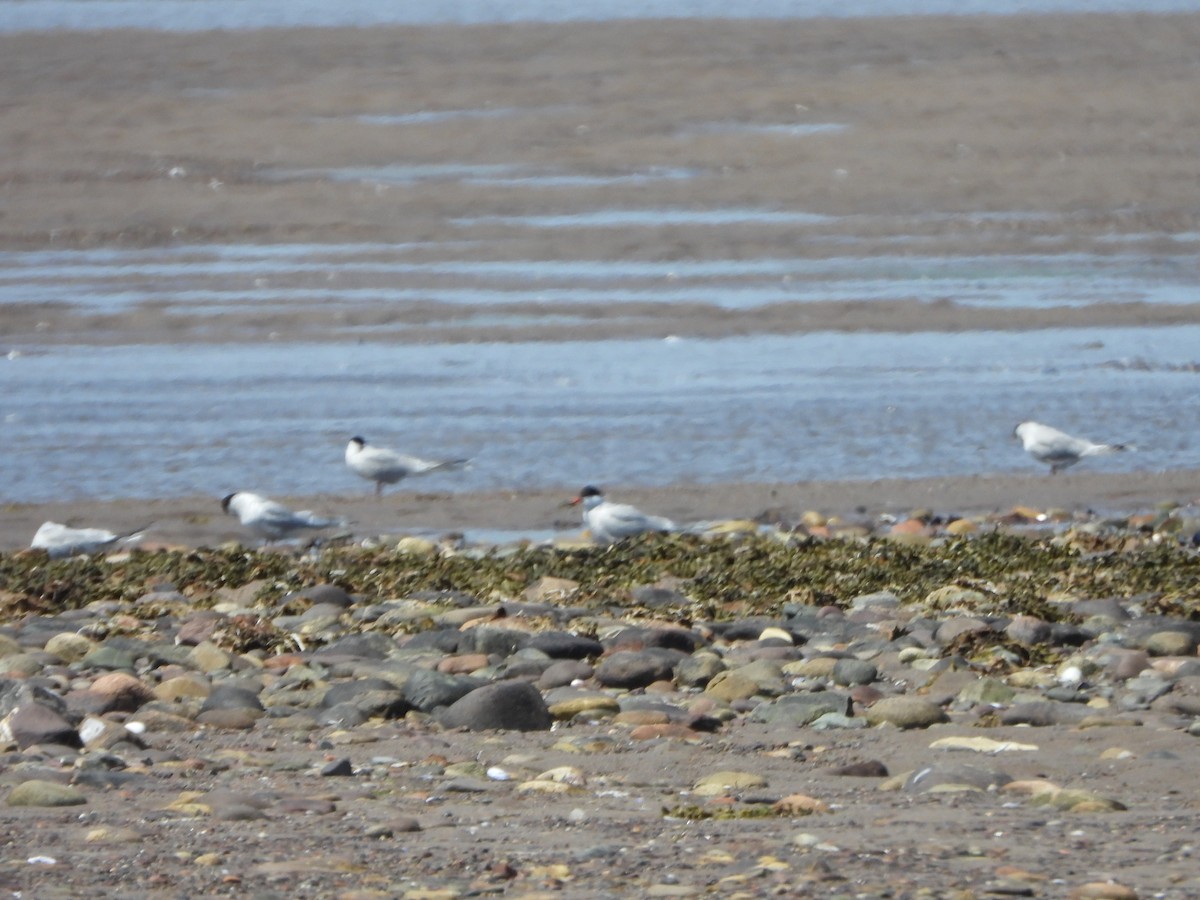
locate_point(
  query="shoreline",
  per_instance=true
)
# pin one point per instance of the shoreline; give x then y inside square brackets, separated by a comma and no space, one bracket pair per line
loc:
[197,521]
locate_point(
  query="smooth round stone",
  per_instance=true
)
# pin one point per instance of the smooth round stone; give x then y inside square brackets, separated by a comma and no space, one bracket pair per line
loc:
[121,691]
[564,705]
[464,664]
[411,545]
[1102,890]
[426,689]
[183,687]
[1029,630]
[851,672]
[208,657]
[798,710]
[698,669]
[364,645]
[25,665]
[767,675]
[1170,643]
[641,717]
[70,647]
[506,705]
[563,645]
[106,657]
[500,642]
[633,669]
[45,793]
[1043,713]
[723,782]
[877,600]
[564,672]
[954,628]
[817,667]
[230,719]
[731,685]
[942,777]
[906,712]
[837,721]
[35,723]
[231,697]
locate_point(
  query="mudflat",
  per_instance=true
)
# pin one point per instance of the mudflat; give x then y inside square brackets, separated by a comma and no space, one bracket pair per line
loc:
[966,136]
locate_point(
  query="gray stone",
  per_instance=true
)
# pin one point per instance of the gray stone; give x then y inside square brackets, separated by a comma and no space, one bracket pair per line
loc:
[342,715]
[492,641]
[563,645]
[906,712]
[427,689]
[1043,713]
[227,697]
[836,721]
[1169,643]
[877,600]
[698,669]
[564,672]
[33,723]
[45,793]
[954,628]
[1029,630]
[798,710]
[939,776]
[339,768]
[365,645]
[108,657]
[850,672]
[507,705]
[634,669]
[986,690]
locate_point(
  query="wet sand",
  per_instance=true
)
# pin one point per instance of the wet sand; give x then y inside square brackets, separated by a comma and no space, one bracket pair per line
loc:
[973,136]
[198,521]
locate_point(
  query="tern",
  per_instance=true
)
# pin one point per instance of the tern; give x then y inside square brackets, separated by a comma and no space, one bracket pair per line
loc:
[1058,449]
[610,522]
[62,540]
[270,520]
[383,466]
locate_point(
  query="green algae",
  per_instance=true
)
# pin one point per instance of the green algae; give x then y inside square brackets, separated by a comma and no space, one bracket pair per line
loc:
[720,578]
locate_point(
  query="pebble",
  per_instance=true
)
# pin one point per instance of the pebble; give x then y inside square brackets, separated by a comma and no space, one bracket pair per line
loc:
[95,706]
[45,793]
[906,712]
[507,705]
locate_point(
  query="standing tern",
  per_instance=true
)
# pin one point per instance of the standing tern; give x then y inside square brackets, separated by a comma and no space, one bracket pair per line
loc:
[610,522]
[1058,449]
[383,466]
[270,520]
[62,540]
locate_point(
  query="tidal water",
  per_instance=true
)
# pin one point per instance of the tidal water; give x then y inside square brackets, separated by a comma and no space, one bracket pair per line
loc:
[197,15]
[170,420]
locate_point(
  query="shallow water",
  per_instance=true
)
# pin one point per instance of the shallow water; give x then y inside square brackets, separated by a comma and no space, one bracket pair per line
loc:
[193,15]
[201,280]
[105,422]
